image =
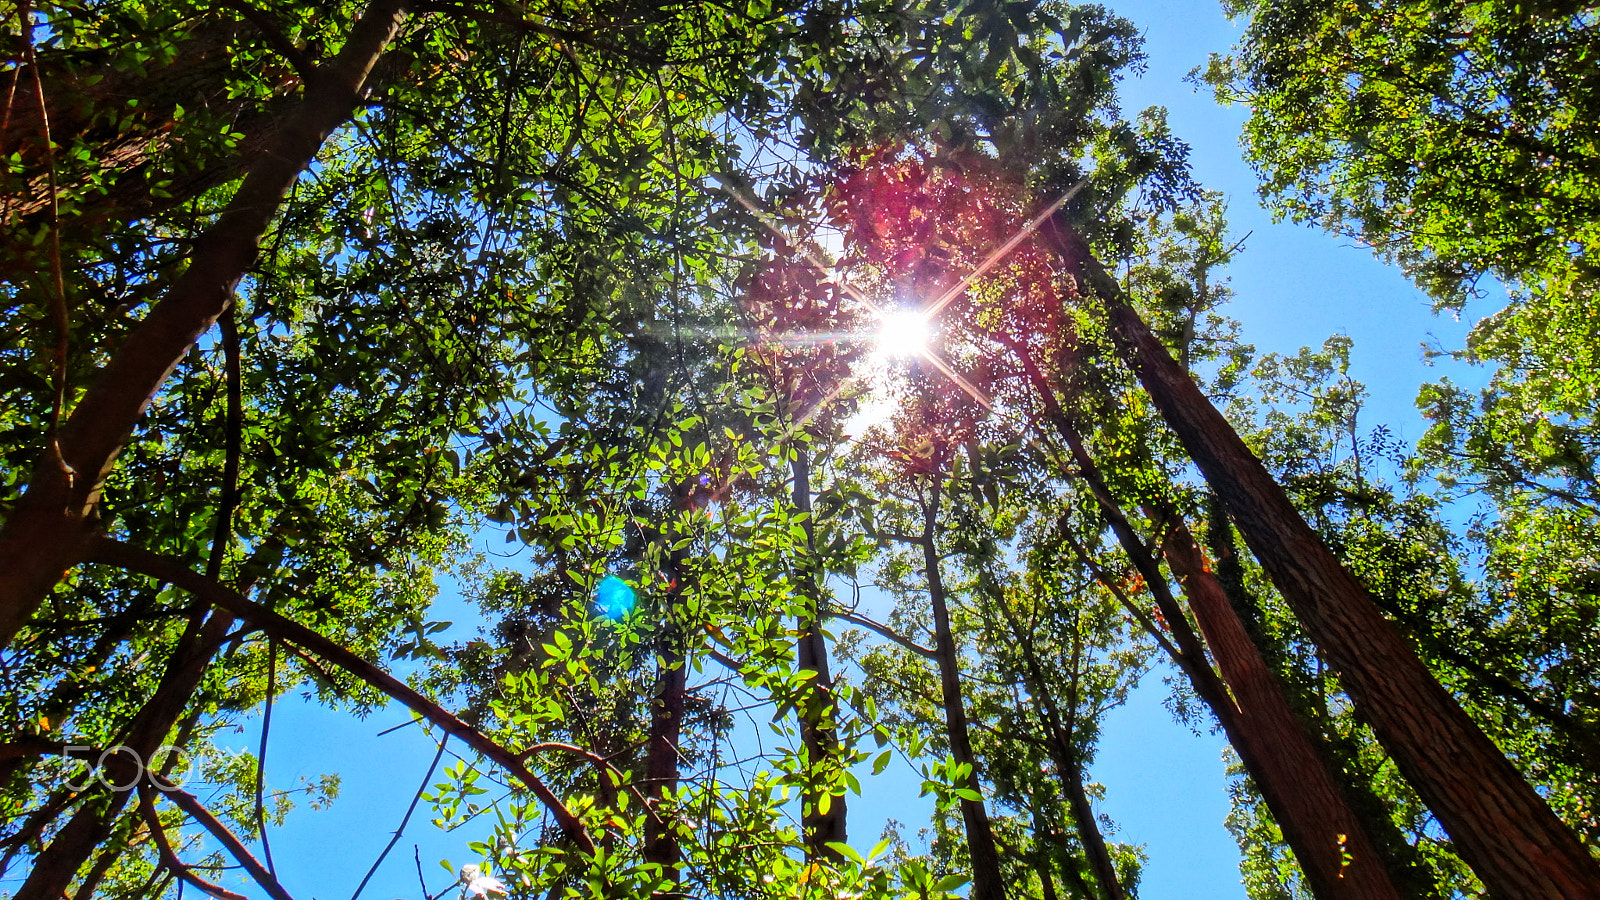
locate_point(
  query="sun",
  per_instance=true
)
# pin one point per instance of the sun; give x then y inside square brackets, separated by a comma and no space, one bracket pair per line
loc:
[903,334]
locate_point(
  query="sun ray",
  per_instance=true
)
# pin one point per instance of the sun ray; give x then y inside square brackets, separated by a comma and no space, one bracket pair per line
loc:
[808,253]
[955,377]
[1000,252]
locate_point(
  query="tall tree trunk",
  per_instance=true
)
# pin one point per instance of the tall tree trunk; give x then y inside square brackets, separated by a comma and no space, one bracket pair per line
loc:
[49,528]
[1069,769]
[1329,841]
[819,711]
[987,883]
[1333,848]
[55,866]
[663,746]
[1408,871]
[1499,824]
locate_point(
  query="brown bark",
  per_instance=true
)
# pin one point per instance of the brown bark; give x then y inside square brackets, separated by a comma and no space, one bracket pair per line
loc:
[134,147]
[1293,777]
[49,529]
[1315,810]
[661,754]
[987,883]
[55,867]
[819,709]
[1499,825]
[135,559]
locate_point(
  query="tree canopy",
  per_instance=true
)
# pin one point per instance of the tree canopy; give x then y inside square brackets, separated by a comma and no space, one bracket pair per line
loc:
[857,381]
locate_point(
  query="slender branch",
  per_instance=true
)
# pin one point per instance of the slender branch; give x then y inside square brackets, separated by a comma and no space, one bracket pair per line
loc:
[136,559]
[169,858]
[404,820]
[232,442]
[261,754]
[1140,615]
[304,66]
[51,525]
[885,631]
[189,804]
[57,284]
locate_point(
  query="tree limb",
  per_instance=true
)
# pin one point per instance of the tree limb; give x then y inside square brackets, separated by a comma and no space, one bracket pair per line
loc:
[187,802]
[169,858]
[109,551]
[884,631]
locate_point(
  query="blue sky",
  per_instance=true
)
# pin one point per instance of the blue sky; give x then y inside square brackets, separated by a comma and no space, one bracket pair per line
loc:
[1164,785]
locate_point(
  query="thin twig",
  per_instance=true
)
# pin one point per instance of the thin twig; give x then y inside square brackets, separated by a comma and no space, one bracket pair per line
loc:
[303,65]
[403,820]
[885,631]
[58,287]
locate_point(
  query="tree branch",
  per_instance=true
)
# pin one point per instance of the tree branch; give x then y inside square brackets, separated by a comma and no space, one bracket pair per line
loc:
[169,858]
[884,631]
[51,526]
[276,39]
[136,559]
[187,802]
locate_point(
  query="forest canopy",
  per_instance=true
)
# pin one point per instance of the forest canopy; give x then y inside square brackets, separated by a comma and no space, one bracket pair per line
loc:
[856,385]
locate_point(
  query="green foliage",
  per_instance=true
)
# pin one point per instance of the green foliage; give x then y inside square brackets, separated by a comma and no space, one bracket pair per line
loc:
[564,277]
[1455,137]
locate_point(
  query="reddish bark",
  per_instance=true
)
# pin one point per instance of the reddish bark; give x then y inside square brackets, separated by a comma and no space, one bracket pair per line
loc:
[663,746]
[661,845]
[1316,819]
[133,146]
[1293,777]
[1498,823]
[49,529]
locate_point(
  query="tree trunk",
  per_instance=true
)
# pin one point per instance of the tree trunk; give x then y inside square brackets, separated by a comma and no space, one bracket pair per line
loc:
[1499,825]
[1069,771]
[987,883]
[819,710]
[663,746]
[1330,842]
[48,530]
[55,867]
[1317,821]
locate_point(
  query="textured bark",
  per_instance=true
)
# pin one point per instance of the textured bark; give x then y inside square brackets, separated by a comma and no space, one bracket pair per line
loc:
[1499,825]
[50,527]
[1293,777]
[819,711]
[1315,812]
[987,883]
[661,754]
[125,119]
[55,867]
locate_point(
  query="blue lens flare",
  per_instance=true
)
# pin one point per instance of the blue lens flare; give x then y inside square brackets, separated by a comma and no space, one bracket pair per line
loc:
[614,598]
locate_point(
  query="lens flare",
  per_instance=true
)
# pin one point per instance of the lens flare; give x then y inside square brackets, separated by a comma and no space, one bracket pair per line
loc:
[903,334]
[614,598]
